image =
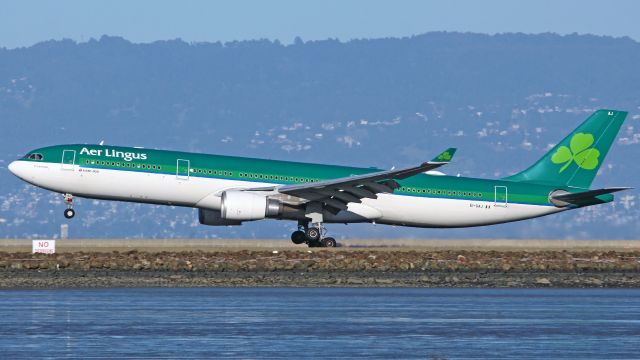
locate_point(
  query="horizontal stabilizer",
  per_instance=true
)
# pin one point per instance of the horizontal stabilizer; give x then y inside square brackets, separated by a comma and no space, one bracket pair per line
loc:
[579,197]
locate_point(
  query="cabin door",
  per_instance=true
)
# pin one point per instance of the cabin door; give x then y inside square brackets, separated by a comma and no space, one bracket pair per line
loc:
[500,198]
[182,169]
[68,159]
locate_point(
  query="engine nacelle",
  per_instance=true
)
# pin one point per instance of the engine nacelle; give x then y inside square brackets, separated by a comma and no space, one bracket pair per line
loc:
[242,205]
[213,218]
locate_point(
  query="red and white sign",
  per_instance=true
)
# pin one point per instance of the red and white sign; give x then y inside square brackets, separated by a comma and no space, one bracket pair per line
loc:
[43,247]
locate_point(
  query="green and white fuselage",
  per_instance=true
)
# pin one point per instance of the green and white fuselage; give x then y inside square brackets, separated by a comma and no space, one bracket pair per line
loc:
[325,193]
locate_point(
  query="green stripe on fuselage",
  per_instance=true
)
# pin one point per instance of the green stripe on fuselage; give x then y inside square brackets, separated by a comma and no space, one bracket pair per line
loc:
[286,172]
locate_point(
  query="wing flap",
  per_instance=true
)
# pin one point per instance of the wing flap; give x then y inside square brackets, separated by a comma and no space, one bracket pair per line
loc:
[335,203]
[341,195]
[361,193]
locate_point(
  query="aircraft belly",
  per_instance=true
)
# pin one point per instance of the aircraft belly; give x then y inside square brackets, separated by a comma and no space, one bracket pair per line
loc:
[431,212]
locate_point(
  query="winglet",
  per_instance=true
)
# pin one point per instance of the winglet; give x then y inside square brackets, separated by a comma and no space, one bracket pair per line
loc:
[445,156]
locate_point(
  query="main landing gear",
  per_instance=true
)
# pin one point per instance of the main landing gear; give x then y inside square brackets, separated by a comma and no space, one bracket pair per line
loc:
[69,212]
[312,236]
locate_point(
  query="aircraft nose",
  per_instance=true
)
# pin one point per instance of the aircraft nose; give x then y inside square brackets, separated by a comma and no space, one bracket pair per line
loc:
[17,169]
[13,167]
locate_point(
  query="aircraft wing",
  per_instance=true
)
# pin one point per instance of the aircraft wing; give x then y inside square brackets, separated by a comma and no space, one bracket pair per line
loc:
[335,194]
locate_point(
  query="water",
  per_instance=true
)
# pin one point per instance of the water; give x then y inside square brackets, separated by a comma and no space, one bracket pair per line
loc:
[314,323]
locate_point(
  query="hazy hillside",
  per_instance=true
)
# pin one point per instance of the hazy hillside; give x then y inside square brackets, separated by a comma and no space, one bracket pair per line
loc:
[502,100]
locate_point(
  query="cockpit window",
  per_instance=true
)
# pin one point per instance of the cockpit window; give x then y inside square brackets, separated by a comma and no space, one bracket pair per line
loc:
[34,156]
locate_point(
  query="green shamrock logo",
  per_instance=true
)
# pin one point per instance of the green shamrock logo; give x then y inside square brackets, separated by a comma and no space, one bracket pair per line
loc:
[445,156]
[580,151]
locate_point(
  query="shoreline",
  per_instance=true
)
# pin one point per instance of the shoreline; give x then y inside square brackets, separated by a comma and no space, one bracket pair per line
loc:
[97,279]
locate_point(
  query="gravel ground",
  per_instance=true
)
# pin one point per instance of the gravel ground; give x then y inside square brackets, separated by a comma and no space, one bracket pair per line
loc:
[322,267]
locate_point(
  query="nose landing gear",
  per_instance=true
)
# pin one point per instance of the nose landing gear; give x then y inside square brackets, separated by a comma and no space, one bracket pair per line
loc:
[312,236]
[69,212]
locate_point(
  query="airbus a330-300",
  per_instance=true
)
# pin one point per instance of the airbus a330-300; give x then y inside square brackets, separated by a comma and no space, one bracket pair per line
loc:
[232,190]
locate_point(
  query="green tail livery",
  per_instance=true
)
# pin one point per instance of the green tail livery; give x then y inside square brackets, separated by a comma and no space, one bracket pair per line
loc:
[575,160]
[229,190]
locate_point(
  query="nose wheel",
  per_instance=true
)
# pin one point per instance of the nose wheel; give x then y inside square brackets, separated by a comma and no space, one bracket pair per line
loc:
[69,212]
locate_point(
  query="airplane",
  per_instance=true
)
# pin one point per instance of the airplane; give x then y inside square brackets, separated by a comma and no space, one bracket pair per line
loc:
[230,190]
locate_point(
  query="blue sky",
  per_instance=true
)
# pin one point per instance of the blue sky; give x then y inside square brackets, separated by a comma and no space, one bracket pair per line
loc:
[25,22]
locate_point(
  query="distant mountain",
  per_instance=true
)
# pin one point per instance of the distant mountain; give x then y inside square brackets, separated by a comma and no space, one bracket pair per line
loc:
[502,100]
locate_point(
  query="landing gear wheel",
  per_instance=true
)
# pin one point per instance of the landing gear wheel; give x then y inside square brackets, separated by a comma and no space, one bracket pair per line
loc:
[69,213]
[298,237]
[329,242]
[313,235]
[314,244]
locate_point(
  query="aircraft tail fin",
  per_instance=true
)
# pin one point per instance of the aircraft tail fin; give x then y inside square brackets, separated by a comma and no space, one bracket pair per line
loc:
[575,160]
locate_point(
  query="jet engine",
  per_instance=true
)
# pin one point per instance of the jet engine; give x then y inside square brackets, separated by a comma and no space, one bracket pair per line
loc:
[242,205]
[213,218]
